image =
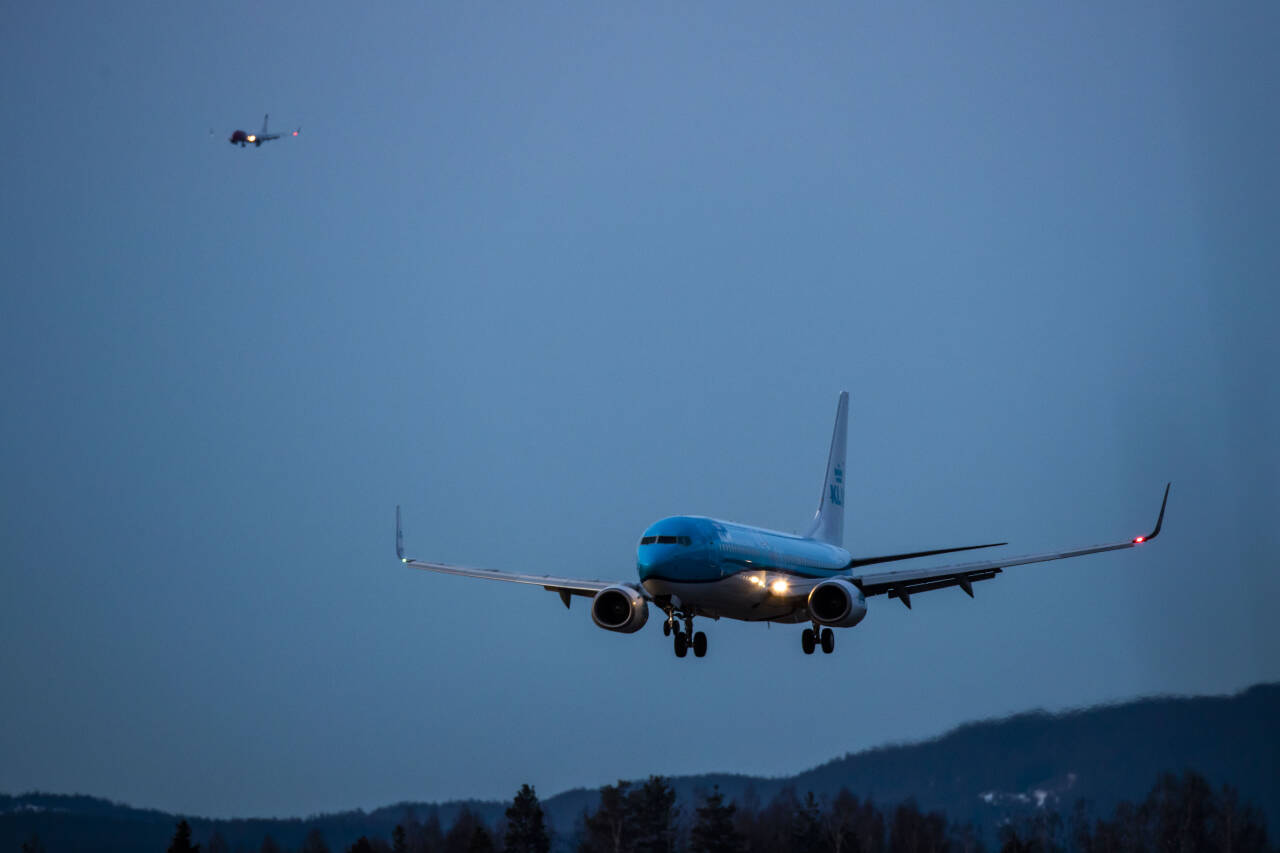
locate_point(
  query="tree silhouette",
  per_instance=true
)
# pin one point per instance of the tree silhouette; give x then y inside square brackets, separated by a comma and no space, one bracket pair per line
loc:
[429,838]
[526,831]
[916,832]
[217,844]
[314,842]
[1236,828]
[653,815]
[481,840]
[181,842]
[1181,814]
[714,831]
[608,829]
[806,824]
[459,837]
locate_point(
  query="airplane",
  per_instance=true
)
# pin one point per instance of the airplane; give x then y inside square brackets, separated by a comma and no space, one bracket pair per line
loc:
[244,137]
[691,566]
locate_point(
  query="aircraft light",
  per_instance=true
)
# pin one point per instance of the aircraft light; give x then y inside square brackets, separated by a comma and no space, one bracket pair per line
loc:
[779,586]
[295,133]
[251,137]
[1139,540]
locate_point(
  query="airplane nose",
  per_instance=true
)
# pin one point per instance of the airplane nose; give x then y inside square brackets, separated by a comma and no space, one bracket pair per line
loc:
[651,559]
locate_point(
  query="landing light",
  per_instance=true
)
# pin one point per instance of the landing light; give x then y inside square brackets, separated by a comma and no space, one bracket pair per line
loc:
[779,587]
[251,138]
[1139,540]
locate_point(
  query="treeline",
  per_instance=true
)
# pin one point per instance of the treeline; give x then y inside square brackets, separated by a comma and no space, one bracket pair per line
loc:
[1180,813]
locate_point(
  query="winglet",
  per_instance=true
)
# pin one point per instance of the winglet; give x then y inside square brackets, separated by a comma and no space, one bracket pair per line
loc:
[1160,518]
[399,537]
[1138,540]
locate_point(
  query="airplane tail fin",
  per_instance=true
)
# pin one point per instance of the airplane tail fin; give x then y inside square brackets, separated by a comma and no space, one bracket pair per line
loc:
[264,123]
[828,521]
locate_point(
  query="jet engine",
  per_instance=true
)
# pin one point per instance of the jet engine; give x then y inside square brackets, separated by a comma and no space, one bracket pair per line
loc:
[838,603]
[619,608]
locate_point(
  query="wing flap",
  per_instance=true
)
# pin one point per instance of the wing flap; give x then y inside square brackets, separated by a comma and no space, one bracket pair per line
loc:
[859,562]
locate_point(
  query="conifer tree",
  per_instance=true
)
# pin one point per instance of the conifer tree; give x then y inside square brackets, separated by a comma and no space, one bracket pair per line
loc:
[714,832]
[917,832]
[653,812]
[526,830]
[430,838]
[314,842]
[481,840]
[217,843]
[806,824]
[608,829]
[181,842]
[459,837]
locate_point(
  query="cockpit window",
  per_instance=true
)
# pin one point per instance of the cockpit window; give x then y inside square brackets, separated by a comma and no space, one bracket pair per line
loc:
[666,540]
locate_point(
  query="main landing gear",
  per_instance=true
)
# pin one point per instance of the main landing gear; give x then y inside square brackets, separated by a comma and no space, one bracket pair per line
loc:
[686,639]
[812,638]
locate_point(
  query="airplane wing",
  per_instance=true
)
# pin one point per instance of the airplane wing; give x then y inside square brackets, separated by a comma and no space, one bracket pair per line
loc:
[565,586]
[904,583]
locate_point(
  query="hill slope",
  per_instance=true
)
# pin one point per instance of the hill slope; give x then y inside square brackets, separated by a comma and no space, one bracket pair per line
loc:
[981,773]
[984,772]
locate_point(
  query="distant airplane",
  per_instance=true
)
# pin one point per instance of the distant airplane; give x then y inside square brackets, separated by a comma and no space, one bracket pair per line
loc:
[244,137]
[693,566]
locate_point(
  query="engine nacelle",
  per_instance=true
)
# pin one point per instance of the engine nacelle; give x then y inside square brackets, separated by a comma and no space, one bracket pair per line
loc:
[837,603]
[619,608]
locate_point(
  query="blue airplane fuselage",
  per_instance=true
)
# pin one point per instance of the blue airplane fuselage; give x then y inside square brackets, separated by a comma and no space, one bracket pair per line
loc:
[732,570]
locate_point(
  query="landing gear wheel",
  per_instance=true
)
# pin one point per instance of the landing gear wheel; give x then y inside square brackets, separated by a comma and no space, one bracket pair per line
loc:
[699,645]
[828,641]
[807,641]
[666,628]
[682,644]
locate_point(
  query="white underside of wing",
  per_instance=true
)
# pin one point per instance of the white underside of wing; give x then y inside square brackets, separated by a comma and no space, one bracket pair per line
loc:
[916,576]
[577,586]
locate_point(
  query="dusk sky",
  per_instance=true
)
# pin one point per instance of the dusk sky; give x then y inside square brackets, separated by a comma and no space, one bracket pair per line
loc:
[543,273]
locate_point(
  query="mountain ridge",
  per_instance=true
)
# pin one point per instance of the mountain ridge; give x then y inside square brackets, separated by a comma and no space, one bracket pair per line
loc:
[982,772]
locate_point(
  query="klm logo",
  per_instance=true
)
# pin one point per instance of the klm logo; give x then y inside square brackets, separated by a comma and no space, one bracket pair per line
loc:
[837,487]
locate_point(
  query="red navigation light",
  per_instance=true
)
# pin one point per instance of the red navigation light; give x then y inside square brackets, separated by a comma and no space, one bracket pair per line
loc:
[1139,540]
[295,133]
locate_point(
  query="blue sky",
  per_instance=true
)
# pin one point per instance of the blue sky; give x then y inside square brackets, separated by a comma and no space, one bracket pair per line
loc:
[546,273]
